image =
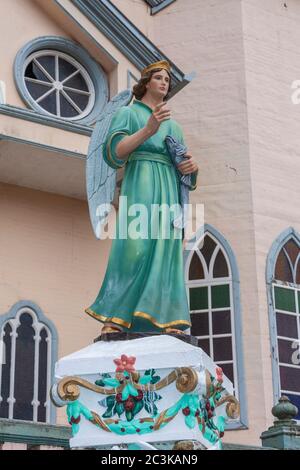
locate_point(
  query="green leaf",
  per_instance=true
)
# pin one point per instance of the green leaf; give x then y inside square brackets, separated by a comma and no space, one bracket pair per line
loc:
[108,413]
[132,391]
[148,372]
[119,409]
[147,407]
[110,400]
[139,405]
[111,382]
[125,393]
[155,410]
[155,379]
[103,402]
[190,421]
[106,376]
[100,383]
[145,379]
[129,415]
[156,396]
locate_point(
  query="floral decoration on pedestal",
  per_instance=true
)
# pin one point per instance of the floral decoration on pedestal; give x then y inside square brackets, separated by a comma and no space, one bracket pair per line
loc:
[130,392]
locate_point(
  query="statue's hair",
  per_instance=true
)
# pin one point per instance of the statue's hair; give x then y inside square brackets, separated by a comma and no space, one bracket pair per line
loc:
[139,90]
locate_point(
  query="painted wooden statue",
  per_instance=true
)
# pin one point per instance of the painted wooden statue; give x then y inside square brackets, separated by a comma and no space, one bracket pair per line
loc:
[143,288]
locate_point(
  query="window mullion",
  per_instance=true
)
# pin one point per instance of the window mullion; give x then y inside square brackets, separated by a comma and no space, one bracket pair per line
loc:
[211,346]
[56,68]
[233,344]
[35,402]
[76,90]
[2,357]
[58,103]
[38,82]
[71,102]
[43,70]
[70,76]
[11,399]
[49,361]
[298,314]
[45,95]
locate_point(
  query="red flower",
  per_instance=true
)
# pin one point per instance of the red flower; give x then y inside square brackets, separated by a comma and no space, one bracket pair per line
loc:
[219,373]
[129,404]
[119,398]
[140,396]
[186,411]
[74,420]
[125,364]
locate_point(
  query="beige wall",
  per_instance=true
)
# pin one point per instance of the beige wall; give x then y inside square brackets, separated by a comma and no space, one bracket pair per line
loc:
[272,45]
[50,256]
[207,36]
[138,12]
[23,17]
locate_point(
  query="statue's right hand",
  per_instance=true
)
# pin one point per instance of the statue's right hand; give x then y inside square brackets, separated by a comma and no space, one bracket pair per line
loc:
[160,113]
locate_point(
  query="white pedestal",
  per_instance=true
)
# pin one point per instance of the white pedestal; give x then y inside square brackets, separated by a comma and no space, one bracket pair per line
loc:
[176,404]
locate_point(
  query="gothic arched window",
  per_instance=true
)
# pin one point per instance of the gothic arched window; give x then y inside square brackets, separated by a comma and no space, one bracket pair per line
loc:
[212,282]
[210,300]
[283,272]
[27,365]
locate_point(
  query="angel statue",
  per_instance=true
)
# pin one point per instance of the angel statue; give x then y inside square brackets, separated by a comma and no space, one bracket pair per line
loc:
[143,289]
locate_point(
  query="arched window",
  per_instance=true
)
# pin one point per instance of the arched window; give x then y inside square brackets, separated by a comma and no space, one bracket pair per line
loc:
[212,283]
[283,280]
[29,343]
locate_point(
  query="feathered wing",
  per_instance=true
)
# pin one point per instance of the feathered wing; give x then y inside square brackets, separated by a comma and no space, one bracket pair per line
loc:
[101,178]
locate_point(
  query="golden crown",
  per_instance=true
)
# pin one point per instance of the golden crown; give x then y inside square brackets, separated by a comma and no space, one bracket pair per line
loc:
[162,64]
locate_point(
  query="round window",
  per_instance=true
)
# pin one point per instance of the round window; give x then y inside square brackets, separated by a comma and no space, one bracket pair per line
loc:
[59,85]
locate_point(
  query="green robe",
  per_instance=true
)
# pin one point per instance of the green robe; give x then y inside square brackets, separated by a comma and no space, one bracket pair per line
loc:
[143,288]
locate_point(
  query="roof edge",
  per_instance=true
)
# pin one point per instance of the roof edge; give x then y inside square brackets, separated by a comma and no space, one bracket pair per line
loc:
[138,49]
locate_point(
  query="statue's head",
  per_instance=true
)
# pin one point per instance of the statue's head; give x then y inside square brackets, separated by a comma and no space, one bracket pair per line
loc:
[150,73]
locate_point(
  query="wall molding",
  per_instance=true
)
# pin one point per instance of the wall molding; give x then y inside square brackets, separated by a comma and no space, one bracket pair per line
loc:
[138,49]
[158,5]
[45,120]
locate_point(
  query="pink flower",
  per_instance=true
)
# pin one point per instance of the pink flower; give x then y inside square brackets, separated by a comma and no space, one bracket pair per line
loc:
[219,373]
[125,363]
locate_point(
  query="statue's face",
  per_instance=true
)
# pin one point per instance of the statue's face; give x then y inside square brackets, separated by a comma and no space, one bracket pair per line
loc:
[159,84]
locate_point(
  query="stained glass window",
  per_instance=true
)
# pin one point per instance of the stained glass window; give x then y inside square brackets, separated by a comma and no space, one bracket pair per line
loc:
[209,287]
[286,301]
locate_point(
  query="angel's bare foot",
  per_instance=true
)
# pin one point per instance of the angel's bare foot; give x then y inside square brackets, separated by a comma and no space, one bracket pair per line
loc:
[111,328]
[174,331]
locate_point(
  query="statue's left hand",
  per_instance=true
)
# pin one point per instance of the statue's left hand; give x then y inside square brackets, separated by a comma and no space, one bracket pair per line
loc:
[188,166]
